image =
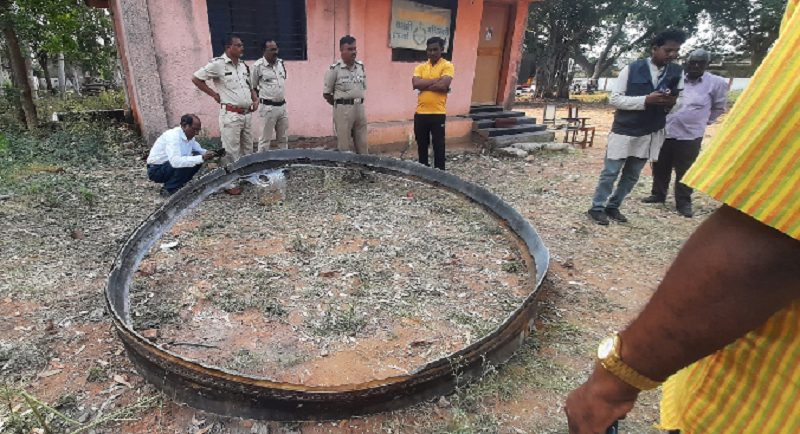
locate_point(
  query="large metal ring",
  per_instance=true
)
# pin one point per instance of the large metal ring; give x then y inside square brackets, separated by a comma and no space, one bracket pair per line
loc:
[220,391]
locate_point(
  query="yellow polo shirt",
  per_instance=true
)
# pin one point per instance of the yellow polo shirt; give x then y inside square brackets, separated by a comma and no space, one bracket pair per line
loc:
[433,103]
[752,386]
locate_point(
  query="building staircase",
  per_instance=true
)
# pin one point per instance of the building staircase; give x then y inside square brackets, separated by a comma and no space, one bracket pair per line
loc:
[493,127]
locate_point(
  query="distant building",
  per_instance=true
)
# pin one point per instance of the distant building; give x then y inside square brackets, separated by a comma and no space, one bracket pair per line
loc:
[163,42]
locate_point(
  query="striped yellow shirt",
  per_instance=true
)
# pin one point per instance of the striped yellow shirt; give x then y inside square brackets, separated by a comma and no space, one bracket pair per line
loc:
[753,164]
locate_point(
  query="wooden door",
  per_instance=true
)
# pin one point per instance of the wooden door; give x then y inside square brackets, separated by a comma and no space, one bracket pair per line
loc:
[491,50]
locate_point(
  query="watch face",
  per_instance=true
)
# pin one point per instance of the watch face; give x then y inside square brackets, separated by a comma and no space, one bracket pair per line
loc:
[606,348]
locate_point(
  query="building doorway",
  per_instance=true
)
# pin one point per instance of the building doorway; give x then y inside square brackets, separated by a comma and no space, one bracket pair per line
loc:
[491,52]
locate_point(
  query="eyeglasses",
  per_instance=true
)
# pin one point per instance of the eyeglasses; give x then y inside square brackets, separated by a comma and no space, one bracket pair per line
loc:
[271,50]
[240,45]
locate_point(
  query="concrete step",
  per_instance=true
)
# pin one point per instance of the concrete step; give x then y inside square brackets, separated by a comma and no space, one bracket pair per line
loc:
[489,123]
[536,136]
[485,109]
[515,130]
[496,115]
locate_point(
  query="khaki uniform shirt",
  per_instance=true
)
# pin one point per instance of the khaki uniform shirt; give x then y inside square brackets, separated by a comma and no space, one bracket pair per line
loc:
[269,81]
[345,83]
[232,82]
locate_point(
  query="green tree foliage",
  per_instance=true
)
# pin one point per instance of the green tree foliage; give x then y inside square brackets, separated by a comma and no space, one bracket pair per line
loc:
[754,25]
[83,34]
[595,34]
[47,28]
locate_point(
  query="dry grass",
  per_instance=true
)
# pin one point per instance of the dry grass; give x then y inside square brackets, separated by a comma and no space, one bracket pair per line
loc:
[52,319]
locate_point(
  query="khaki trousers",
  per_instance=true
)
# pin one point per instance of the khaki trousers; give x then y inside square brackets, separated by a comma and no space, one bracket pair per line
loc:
[273,119]
[350,121]
[236,133]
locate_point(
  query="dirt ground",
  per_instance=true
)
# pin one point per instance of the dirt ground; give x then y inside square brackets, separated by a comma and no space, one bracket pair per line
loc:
[58,345]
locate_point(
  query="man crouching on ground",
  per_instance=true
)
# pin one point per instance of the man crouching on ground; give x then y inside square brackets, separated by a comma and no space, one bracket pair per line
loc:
[176,157]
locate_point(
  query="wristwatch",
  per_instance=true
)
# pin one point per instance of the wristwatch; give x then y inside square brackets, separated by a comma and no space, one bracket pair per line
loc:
[608,354]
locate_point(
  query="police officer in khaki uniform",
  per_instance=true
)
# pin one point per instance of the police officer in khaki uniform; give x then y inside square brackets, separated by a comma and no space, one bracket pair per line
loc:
[268,78]
[345,83]
[232,80]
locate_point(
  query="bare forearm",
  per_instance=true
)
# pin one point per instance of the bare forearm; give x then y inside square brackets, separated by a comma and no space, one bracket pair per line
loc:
[203,86]
[732,275]
[423,84]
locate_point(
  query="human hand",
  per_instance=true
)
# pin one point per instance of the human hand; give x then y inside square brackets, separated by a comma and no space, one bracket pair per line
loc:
[599,402]
[255,105]
[656,98]
[216,98]
[208,156]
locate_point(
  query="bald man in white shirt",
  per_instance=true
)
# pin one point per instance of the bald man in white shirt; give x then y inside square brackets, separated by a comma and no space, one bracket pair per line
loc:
[176,157]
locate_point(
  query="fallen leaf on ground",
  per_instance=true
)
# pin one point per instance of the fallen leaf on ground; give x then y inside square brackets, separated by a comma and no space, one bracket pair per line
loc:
[205,430]
[49,373]
[122,381]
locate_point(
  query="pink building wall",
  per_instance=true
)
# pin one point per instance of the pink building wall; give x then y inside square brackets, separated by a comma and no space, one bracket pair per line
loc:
[181,44]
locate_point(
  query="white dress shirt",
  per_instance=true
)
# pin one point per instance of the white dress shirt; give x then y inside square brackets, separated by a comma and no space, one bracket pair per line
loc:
[620,146]
[173,146]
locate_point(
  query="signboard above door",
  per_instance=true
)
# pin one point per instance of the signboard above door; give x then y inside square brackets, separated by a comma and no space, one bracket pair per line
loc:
[414,23]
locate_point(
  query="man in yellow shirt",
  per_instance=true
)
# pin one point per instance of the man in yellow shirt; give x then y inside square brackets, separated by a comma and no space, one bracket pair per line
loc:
[432,79]
[723,328]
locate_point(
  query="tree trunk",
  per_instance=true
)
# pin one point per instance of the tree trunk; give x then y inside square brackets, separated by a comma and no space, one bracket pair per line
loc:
[62,76]
[43,61]
[18,73]
[76,85]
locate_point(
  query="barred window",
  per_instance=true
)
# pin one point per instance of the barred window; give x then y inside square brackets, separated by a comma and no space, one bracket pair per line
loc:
[409,55]
[256,20]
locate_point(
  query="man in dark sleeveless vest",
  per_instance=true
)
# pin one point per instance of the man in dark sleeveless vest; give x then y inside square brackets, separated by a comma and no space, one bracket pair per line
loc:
[643,94]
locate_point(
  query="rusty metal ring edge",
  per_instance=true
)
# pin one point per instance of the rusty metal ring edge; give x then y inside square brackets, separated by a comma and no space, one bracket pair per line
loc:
[223,392]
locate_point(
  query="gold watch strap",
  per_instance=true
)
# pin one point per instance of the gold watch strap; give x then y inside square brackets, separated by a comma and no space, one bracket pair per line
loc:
[628,374]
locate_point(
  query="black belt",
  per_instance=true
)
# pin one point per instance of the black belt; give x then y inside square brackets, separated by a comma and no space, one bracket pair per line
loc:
[349,101]
[155,165]
[273,103]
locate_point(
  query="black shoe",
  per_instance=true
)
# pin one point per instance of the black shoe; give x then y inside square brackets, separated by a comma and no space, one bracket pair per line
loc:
[685,209]
[614,214]
[165,193]
[598,217]
[654,199]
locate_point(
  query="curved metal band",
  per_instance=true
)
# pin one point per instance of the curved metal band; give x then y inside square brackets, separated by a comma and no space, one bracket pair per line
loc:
[224,392]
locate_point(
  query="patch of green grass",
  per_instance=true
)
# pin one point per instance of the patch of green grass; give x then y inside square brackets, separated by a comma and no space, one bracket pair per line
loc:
[478,325]
[88,196]
[493,384]
[512,267]
[109,100]
[244,360]
[155,315]
[563,332]
[347,322]
[291,361]
[232,301]
[603,304]
[96,374]
[301,247]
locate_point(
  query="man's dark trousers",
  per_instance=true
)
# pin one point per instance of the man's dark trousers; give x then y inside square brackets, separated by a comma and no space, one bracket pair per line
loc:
[172,178]
[425,127]
[680,155]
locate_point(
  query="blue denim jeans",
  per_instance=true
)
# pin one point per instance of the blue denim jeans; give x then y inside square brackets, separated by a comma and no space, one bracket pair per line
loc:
[631,168]
[172,178]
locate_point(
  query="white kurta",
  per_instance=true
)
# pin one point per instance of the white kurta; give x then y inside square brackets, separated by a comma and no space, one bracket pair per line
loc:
[620,146]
